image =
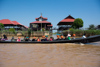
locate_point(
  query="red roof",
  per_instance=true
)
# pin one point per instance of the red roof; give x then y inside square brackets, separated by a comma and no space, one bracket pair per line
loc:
[16,23]
[67,20]
[40,22]
[41,17]
[49,25]
[25,26]
[6,21]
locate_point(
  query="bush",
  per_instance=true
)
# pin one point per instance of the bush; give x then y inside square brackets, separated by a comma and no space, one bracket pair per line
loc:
[81,32]
[12,30]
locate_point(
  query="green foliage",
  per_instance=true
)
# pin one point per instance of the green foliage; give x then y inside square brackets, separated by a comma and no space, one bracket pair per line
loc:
[43,29]
[77,23]
[12,30]
[1,25]
[79,32]
[91,27]
[29,32]
[92,32]
[6,31]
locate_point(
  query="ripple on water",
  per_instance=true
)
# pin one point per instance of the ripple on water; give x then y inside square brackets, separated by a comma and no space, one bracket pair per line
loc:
[49,55]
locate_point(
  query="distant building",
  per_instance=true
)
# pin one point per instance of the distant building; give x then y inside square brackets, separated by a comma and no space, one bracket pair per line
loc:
[66,23]
[12,24]
[40,23]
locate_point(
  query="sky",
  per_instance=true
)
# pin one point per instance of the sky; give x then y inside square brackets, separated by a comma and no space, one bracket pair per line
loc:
[25,11]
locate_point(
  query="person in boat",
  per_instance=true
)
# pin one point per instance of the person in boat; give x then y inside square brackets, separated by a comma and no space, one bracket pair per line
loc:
[68,37]
[65,38]
[18,39]
[43,38]
[46,38]
[84,36]
[62,37]
[51,39]
[38,39]
[74,36]
[1,38]
[34,39]
[58,37]
[13,39]
[5,37]
[24,38]
[27,39]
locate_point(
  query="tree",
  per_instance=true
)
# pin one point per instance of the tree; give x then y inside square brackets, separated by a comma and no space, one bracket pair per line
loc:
[1,26]
[91,27]
[77,23]
[12,30]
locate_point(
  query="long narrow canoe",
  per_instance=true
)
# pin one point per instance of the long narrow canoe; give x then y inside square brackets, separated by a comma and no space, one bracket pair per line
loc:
[77,40]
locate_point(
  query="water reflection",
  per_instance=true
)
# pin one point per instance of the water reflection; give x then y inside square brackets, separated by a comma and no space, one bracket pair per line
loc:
[49,55]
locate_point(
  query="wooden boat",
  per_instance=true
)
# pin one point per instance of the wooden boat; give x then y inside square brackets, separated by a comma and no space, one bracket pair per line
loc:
[77,40]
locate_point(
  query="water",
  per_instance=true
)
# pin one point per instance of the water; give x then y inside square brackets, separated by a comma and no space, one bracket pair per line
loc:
[49,55]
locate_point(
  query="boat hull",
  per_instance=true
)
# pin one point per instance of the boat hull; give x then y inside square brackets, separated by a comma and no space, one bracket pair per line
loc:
[78,40]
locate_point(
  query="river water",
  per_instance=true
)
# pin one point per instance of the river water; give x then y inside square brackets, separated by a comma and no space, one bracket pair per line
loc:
[50,55]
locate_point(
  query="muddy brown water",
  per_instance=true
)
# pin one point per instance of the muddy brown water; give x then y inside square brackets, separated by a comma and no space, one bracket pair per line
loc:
[49,55]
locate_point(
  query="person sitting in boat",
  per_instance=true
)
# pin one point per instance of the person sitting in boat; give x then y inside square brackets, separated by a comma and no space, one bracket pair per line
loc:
[84,36]
[74,36]
[46,38]
[43,38]
[13,39]
[38,39]
[65,38]
[5,37]
[68,37]
[62,37]
[51,39]
[34,39]
[27,39]
[1,38]
[18,39]
[24,38]
[58,37]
